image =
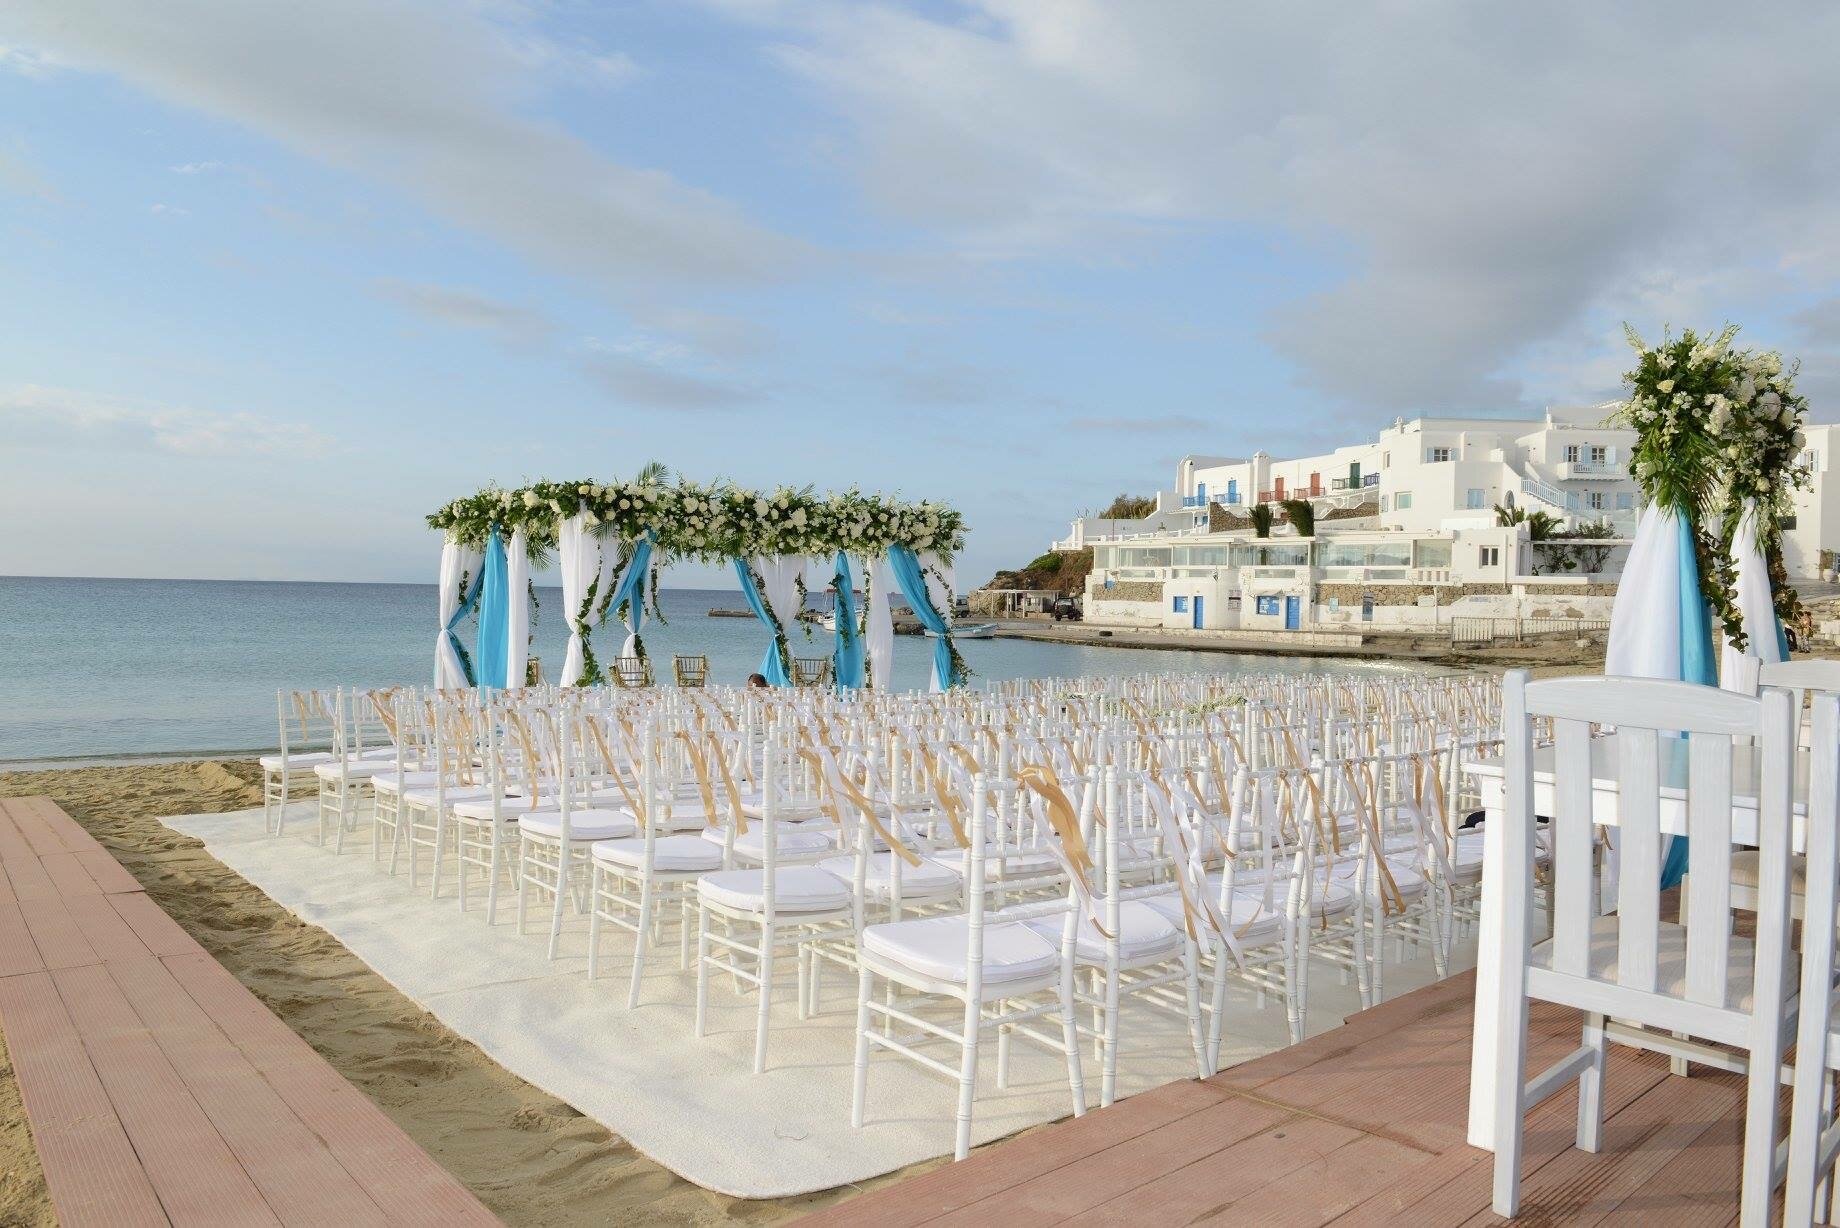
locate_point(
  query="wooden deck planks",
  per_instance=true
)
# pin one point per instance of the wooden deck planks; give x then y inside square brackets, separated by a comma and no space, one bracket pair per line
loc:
[157,1088]
[92,1169]
[197,1178]
[1361,1126]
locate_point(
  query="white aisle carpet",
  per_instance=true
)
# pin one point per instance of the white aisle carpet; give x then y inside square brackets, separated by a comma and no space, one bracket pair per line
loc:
[696,1106]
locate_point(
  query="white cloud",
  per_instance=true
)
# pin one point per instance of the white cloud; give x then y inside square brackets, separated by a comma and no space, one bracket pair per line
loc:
[1490,175]
[196,168]
[63,418]
[425,97]
[645,385]
[159,210]
[469,309]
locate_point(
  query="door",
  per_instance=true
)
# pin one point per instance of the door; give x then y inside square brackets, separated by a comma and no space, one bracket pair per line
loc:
[1195,605]
[1232,490]
[1293,613]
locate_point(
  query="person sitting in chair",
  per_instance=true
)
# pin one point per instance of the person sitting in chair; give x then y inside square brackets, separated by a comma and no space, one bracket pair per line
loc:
[756,680]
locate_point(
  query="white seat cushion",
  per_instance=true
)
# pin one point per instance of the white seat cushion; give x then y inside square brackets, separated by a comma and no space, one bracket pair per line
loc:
[790,841]
[1744,870]
[480,808]
[354,769]
[391,781]
[929,878]
[583,824]
[936,948]
[1143,932]
[1333,896]
[1670,960]
[453,795]
[672,853]
[295,763]
[1252,923]
[796,889]
[1014,865]
[1408,876]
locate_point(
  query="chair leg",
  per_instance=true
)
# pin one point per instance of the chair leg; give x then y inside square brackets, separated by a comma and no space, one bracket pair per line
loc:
[594,921]
[967,1078]
[859,1092]
[492,877]
[766,999]
[702,968]
[640,939]
[1510,1109]
[1591,1087]
[1070,1040]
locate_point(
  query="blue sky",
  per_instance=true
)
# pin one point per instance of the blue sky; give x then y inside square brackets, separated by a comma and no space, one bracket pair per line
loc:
[279,279]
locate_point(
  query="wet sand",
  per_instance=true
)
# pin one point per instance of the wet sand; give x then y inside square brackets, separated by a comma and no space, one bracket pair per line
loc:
[528,1156]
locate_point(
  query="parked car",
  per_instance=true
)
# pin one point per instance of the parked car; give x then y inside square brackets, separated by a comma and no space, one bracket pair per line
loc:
[1067,610]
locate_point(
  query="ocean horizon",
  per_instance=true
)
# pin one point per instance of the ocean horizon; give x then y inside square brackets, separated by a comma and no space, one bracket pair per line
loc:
[107,668]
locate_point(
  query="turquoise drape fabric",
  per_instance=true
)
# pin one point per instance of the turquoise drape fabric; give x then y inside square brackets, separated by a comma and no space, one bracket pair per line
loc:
[847,656]
[631,588]
[771,667]
[491,647]
[1698,664]
[908,574]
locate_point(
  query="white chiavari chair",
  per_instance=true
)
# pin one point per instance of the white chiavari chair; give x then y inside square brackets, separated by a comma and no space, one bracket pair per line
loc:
[1680,989]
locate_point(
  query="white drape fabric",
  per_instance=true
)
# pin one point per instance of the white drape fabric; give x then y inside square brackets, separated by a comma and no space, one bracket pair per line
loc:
[1645,621]
[579,560]
[457,563]
[878,635]
[1754,606]
[517,624]
[779,578]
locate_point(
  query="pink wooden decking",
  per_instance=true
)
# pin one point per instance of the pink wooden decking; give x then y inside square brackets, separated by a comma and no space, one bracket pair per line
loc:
[157,1088]
[1363,1125]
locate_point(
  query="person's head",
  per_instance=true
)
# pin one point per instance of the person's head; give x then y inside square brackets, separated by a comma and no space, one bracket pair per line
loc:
[755,680]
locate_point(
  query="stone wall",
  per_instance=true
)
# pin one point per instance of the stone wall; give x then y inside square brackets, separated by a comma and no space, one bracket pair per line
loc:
[1220,520]
[1129,590]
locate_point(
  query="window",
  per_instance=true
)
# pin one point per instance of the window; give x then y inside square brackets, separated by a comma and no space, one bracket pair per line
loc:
[1625,502]
[1179,605]
[1594,500]
[1438,456]
[1571,452]
[1402,500]
[1600,455]
[1476,498]
[1268,605]
[1489,556]
[1383,503]
[1431,554]
[1367,607]
[1386,460]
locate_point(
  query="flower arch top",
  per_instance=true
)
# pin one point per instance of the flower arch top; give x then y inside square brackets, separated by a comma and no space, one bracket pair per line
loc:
[711,523]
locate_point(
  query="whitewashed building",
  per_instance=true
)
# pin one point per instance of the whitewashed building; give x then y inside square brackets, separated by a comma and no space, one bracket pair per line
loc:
[1406,531]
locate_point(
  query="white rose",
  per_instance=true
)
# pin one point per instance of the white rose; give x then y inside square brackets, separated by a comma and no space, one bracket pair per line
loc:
[530,498]
[760,507]
[1666,385]
[584,490]
[798,517]
[625,504]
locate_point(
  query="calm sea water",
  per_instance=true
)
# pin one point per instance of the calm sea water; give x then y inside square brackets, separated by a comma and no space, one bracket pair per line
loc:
[137,667]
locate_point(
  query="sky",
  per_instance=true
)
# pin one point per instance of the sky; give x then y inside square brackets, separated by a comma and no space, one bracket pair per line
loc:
[276,280]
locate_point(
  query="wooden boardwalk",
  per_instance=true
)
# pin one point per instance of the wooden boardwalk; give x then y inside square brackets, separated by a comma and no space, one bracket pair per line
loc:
[1363,1125]
[157,1088]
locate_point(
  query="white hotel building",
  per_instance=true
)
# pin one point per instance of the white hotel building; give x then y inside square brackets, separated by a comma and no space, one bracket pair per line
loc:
[1406,530]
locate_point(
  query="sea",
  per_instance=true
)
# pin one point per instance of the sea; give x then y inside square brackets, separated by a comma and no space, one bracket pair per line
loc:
[108,668]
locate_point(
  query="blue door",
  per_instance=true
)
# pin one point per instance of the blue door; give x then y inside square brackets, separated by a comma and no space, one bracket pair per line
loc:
[1293,613]
[1232,490]
[1201,493]
[1196,605]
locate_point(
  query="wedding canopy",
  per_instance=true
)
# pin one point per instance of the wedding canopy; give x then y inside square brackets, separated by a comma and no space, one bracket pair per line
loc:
[1718,436]
[610,539]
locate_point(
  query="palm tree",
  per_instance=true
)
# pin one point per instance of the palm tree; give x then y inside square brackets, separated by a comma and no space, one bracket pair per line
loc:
[1540,525]
[1302,515]
[1260,515]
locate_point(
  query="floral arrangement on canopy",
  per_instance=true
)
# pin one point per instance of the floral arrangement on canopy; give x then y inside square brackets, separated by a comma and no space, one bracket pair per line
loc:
[1718,432]
[655,519]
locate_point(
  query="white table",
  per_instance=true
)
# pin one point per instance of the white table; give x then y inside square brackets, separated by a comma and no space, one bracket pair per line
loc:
[1491,956]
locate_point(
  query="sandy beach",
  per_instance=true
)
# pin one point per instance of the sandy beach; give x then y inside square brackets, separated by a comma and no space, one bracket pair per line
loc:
[529,1157]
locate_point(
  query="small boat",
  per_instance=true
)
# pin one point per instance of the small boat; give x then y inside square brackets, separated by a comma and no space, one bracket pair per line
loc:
[971,631]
